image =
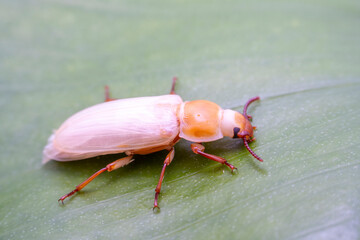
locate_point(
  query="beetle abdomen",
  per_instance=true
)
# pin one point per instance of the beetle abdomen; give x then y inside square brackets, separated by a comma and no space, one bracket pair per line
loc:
[133,125]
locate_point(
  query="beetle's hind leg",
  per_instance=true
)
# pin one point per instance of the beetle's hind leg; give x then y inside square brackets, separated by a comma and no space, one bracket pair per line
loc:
[172,91]
[107,94]
[199,149]
[167,161]
[110,167]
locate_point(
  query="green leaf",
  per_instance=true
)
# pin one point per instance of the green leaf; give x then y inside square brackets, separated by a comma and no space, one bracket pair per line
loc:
[301,57]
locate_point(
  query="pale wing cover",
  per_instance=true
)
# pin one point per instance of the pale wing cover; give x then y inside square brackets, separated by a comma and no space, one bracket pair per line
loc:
[114,127]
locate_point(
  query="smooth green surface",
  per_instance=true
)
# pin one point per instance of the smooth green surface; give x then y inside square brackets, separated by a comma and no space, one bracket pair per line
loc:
[301,57]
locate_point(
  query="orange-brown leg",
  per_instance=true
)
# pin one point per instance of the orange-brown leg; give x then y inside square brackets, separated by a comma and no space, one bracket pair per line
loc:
[167,161]
[172,91]
[110,167]
[199,149]
[107,94]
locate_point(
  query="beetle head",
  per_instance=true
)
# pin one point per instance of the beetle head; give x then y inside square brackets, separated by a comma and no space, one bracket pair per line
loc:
[243,128]
[237,125]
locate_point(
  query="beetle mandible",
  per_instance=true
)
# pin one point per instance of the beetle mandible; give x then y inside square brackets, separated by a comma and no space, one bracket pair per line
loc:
[145,125]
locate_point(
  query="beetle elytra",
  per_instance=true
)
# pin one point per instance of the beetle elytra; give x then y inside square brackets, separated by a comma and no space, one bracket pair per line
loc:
[145,125]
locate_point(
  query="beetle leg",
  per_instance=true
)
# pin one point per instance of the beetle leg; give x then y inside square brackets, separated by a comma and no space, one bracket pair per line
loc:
[167,161]
[110,167]
[172,91]
[198,148]
[107,94]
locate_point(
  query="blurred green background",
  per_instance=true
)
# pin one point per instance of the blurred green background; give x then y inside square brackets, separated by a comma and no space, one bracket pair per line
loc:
[301,57]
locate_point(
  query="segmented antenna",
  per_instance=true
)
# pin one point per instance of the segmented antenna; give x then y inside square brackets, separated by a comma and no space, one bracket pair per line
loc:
[247,105]
[251,151]
[244,138]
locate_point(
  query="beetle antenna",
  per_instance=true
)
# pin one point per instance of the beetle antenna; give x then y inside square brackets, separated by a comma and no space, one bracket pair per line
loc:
[251,151]
[247,105]
[249,117]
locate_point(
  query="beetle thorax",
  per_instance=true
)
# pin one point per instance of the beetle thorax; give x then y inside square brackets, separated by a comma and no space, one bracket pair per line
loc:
[200,121]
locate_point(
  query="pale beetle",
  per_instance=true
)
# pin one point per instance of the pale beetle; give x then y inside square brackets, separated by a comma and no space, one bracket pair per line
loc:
[145,125]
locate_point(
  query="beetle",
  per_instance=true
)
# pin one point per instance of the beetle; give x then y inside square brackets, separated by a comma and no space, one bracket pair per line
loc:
[145,125]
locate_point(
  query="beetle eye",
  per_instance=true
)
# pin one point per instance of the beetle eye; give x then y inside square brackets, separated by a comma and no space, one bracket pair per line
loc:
[236,131]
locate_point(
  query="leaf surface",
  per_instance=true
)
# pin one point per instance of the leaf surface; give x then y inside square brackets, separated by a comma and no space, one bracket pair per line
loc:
[301,58]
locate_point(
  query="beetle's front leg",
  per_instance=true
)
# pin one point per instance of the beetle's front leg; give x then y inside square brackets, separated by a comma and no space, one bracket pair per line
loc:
[110,167]
[198,148]
[167,161]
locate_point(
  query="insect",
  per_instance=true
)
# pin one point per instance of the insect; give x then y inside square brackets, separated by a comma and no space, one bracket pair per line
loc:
[145,125]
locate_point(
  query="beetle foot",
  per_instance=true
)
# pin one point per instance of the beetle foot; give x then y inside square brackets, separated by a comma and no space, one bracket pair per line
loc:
[156,209]
[234,171]
[232,167]
[66,196]
[61,200]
